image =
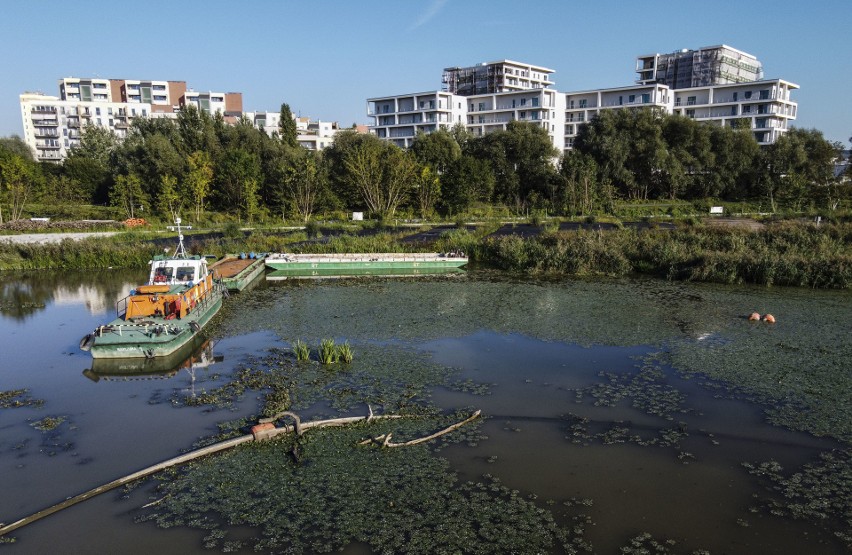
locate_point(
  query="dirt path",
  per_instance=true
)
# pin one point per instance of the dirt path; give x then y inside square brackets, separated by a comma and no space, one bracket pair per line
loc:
[44,238]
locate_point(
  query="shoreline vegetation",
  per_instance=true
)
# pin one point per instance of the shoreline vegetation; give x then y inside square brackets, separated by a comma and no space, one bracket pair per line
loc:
[782,253]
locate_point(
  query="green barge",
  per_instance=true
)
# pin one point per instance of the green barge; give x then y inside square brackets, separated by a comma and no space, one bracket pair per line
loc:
[380,263]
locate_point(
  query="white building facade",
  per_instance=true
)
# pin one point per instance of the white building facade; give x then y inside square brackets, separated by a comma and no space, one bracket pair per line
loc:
[730,91]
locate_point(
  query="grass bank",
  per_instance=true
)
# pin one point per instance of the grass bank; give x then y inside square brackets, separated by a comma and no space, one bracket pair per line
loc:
[783,253]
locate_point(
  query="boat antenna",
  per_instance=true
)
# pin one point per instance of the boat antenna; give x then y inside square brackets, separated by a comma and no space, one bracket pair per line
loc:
[180,251]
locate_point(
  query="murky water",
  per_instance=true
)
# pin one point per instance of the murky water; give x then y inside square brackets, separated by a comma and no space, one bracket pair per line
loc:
[628,406]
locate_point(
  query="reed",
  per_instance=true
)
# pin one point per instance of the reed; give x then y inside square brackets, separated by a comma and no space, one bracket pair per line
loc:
[327,352]
[344,353]
[301,350]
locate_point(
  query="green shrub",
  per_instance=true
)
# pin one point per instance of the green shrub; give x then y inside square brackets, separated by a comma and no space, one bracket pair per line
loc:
[301,350]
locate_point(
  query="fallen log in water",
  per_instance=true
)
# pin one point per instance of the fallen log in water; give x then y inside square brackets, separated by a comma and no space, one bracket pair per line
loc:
[264,430]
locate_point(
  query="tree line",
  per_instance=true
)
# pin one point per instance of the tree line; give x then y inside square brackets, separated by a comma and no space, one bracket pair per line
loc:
[197,163]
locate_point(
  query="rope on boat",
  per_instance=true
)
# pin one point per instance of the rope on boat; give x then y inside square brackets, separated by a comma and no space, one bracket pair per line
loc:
[264,430]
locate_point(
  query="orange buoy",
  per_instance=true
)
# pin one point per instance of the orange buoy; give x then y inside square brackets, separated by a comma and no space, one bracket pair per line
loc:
[754,317]
[769,318]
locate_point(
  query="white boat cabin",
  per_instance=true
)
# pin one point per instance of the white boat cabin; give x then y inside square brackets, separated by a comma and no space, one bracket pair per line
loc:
[177,271]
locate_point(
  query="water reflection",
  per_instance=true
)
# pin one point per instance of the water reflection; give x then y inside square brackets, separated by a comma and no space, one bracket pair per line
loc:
[192,356]
[23,294]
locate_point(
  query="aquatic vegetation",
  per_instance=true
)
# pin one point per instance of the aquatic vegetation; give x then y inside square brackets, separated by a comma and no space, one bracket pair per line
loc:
[646,544]
[327,352]
[301,350]
[394,500]
[344,352]
[49,423]
[819,492]
[16,398]
[646,391]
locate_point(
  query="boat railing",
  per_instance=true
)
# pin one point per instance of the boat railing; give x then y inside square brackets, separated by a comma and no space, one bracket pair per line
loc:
[121,307]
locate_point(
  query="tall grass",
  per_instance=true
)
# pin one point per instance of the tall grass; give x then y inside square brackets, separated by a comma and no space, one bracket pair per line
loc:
[781,254]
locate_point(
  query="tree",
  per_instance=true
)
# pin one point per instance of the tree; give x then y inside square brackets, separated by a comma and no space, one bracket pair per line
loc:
[427,189]
[383,174]
[96,143]
[438,149]
[170,200]
[304,183]
[799,166]
[198,180]
[468,180]
[287,127]
[581,194]
[127,193]
[17,177]
[250,200]
[16,145]
[235,167]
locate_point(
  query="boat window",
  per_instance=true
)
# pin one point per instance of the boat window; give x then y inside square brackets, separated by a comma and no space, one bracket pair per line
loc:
[163,274]
[185,273]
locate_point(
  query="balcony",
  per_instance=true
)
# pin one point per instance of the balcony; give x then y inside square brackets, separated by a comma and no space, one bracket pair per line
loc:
[121,125]
[49,156]
[46,133]
[48,144]
[45,122]
[43,110]
[73,124]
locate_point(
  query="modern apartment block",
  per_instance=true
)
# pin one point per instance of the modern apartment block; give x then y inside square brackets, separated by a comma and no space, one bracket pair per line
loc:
[709,65]
[764,106]
[484,98]
[495,77]
[52,125]
[719,85]
[311,135]
[399,118]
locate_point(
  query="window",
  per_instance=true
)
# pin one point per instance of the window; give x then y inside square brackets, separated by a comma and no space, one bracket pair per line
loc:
[185,273]
[620,100]
[690,101]
[748,94]
[159,87]
[690,114]
[535,102]
[385,108]
[764,94]
[523,115]
[523,102]
[646,98]
[481,106]
[582,103]
[735,96]
[109,111]
[97,111]
[571,104]
[631,99]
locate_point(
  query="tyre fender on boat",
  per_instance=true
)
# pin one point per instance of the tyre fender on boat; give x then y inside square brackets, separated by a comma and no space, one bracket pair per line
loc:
[86,342]
[196,327]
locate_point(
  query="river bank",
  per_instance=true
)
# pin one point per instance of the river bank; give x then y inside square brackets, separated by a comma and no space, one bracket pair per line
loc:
[788,253]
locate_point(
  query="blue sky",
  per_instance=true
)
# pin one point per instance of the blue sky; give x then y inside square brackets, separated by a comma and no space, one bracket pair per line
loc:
[325,58]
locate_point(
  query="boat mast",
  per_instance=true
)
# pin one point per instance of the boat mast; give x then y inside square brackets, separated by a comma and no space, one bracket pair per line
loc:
[180,251]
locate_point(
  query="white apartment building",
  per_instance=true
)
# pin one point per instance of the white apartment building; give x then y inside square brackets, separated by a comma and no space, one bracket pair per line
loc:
[765,106]
[399,118]
[719,85]
[52,125]
[484,98]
